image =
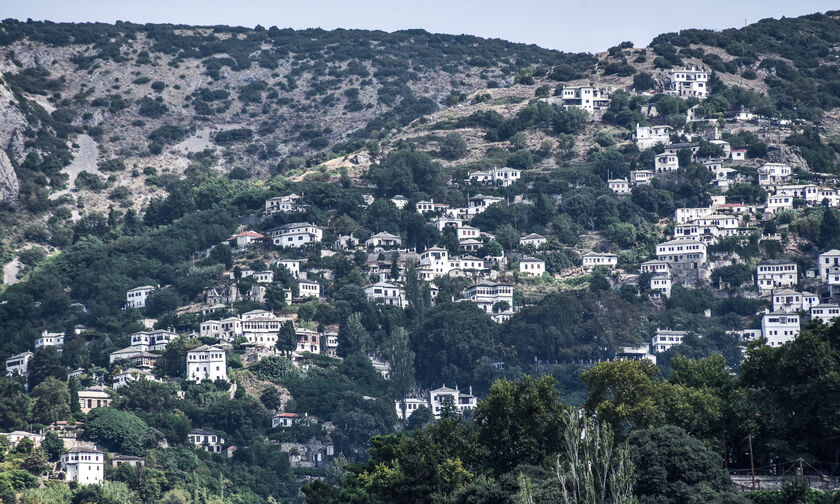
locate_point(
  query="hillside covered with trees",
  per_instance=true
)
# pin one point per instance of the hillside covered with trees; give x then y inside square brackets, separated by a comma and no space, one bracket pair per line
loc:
[326,213]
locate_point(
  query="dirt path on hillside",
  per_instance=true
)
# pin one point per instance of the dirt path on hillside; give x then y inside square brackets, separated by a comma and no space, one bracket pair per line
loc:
[10,272]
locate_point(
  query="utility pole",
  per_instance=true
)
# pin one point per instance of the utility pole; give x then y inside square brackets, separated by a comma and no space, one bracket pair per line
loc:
[752,462]
[725,453]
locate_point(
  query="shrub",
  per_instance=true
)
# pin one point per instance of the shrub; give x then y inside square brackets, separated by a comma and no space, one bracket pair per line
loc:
[115,164]
[233,135]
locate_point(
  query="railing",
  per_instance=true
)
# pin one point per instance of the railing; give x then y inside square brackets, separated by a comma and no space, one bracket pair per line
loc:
[743,482]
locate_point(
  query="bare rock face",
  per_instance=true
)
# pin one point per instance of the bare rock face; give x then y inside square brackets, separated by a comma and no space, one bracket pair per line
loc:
[361,158]
[12,123]
[9,186]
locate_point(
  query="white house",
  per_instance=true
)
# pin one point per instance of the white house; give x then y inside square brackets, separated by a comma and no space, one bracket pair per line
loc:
[777,203]
[152,340]
[619,186]
[588,98]
[390,294]
[126,353]
[640,177]
[412,404]
[284,420]
[399,201]
[773,173]
[308,341]
[123,378]
[533,239]
[683,253]
[486,294]
[467,233]
[666,162]
[260,328]
[826,261]
[293,265]
[136,297]
[206,363]
[283,204]
[661,284]
[738,154]
[776,273]
[833,280]
[435,261]
[469,245]
[346,242]
[245,239]
[331,339]
[383,240]
[480,203]
[686,215]
[531,266]
[689,82]
[93,397]
[85,465]
[308,288]
[206,440]
[708,229]
[789,301]
[635,353]
[593,259]
[778,327]
[648,136]
[466,263]
[444,222]
[425,206]
[496,176]
[297,235]
[53,339]
[664,339]
[15,437]
[18,364]
[656,267]
[825,312]
[444,397]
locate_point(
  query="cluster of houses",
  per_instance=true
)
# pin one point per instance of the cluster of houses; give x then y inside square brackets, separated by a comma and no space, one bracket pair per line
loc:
[84,462]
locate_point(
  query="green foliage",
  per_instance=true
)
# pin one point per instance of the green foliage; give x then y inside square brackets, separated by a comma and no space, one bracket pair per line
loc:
[168,133]
[151,108]
[406,172]
[227,137]
[453,146]
[118,431]
[589,327]
[52,401]
[820,157]
[274,369]
[45,363]
[672,466]
[629,395]
[461,326]
[53,445]
[14,405]
[521,422]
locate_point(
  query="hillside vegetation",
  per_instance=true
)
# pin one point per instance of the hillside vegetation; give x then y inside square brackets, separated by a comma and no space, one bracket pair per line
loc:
[139,155]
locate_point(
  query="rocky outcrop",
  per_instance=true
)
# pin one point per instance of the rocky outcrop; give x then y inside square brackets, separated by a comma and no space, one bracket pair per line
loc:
[9,187]
[12,123]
